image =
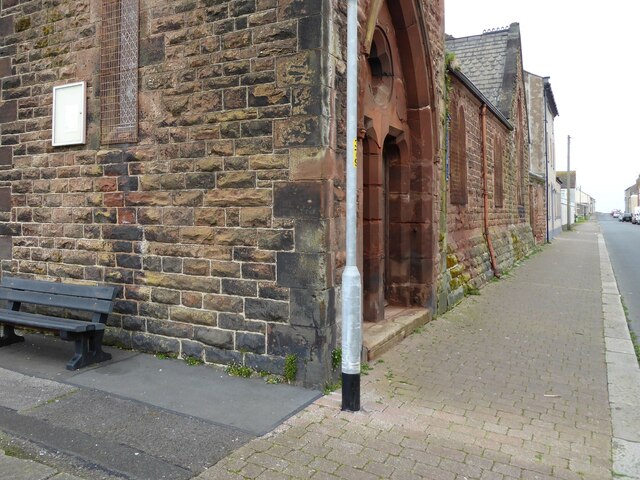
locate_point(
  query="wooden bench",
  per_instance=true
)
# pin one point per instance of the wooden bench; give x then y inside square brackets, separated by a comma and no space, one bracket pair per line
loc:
[87,335]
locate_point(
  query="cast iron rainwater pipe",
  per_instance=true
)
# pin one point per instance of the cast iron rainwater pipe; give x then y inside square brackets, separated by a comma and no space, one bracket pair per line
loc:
[485,190]
[546,163]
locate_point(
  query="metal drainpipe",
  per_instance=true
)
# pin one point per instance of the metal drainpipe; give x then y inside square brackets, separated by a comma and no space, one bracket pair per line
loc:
[485,192]
[351,280]
[546,163]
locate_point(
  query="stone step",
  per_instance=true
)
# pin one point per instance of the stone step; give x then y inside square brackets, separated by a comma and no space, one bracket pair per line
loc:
[399,322]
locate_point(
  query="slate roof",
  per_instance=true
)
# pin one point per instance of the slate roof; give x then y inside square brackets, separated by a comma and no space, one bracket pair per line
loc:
[490,62]
[550,98]
[562,177]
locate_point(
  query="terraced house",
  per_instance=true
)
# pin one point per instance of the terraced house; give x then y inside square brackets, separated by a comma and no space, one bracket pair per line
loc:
[194,157]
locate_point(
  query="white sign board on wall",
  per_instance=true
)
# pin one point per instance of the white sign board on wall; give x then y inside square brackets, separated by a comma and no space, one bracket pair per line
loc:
[69,114]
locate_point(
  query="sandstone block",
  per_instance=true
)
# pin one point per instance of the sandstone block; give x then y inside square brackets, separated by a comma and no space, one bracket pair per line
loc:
[154,343]
[251,342]
[236,180]
[169,328]
[300,131]
[198,235]
[279,240]
[244,288]
[190,349]
[304,68]
[210,217]
[255,217]
[192,315]
[258,271]
[214,337]
[225,269]
[235,321]
[223,303]
[222,356]
[268,94]
[304,270]
[268,310]
[192,266]
[192,299]
[147,199]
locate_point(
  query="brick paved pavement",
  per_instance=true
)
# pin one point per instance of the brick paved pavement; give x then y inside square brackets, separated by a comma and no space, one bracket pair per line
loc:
[511,384]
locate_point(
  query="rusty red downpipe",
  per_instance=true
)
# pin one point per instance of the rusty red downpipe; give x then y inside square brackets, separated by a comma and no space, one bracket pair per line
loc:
[485,190]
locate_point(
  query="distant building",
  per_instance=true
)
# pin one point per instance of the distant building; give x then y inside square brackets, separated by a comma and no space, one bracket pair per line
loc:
[582,204]
[631,196]
[544,187]
[568,186]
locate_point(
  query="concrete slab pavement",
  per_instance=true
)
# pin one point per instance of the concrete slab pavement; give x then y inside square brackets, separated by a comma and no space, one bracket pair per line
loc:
[134,417]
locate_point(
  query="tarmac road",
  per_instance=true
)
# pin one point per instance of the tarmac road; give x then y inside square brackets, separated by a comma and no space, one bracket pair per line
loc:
[623,244]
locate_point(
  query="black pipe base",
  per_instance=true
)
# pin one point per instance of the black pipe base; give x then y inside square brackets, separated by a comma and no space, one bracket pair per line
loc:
[350,392]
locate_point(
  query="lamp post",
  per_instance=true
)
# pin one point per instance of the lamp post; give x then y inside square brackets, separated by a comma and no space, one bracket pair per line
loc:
[568,182]
[351,280]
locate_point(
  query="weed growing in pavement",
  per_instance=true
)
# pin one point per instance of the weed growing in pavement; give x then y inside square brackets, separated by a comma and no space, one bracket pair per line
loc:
[166,356]
[192,361]
[615,474]
[332,387]
[16,452]
[418,330]
[274,379]
[290,367]
[237,370]
[632,334]
[365,368]
[336,358]
[636,345]
[471,290]
[271,378]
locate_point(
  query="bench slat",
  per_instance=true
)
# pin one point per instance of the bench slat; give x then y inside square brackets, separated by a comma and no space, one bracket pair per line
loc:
[87,291]
[52,300]
[32,320]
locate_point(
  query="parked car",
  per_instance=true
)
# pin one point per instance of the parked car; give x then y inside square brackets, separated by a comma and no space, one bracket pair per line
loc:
[616,214]
[636,216]
[625,217]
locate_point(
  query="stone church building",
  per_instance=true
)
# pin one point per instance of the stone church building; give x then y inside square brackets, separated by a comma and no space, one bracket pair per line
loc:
[208,182]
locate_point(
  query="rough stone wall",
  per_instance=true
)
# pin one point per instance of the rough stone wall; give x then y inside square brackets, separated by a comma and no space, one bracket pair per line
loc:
[215,224]
[534,88]
[468,260]
[538,211]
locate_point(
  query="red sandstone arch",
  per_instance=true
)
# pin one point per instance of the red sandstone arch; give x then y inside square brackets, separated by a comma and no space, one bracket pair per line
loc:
[398,145]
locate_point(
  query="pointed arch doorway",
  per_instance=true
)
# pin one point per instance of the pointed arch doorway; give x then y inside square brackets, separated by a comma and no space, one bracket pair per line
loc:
[398,235]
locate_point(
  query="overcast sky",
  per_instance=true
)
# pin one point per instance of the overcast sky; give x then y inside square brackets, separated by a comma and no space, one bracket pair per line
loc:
[590,52]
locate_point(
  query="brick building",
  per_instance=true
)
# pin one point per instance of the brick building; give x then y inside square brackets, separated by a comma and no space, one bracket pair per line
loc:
[488,216]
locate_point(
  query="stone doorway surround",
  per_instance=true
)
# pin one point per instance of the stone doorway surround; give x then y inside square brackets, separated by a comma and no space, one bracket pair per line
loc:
[397,182]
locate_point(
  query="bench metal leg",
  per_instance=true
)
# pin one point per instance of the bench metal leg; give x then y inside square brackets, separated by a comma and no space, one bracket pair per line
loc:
[88,349]
[8,335]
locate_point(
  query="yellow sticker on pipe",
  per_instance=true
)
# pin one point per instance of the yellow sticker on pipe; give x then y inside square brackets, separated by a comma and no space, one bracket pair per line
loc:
[355,152]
